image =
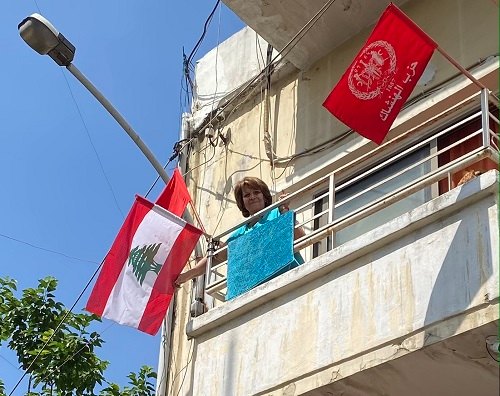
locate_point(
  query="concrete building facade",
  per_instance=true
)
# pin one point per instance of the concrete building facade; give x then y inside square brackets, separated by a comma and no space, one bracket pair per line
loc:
[399,291]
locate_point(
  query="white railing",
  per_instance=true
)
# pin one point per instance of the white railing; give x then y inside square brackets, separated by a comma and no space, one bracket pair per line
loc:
[428,167]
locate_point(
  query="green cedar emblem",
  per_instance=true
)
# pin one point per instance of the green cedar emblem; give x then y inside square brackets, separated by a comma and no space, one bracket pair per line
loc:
[142,260]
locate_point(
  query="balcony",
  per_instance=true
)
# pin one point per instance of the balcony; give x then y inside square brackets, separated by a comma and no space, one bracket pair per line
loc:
[401,271]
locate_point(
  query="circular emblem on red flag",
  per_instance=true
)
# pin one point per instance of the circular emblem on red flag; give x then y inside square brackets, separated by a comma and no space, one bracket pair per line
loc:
[373,70]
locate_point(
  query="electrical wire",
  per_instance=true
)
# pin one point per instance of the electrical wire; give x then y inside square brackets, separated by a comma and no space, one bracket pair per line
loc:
[165,356]
[258,51]
[301,33]
[184,368]
[188,67]
[187,63]
[37,7]
[57,327]
[46,250]
[74,304]
[285,168]
[216,58]
[9,362]
[213,144]
[92,145]
[189,83]
[205,26]
[276,59]
[62,254]
[268,139]
[157,179]
[259,132]
[88,134]
[272,66]
[493,357]
[86,345]
[488,349]
[200,165]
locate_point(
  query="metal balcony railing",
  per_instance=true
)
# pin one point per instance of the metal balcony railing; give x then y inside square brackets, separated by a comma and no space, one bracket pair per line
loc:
[340,205]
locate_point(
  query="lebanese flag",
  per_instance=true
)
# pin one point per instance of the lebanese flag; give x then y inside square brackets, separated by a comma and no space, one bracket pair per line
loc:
[135,285]
[175,196]
[370,94]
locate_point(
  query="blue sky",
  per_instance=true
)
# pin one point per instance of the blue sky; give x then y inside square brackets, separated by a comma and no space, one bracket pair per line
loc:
[55,194]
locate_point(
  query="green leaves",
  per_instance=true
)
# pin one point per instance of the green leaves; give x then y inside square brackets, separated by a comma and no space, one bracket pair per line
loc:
[59,361]
[141,384]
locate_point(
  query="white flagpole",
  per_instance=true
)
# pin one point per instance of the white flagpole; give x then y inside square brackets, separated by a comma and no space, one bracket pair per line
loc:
[466,73]
[449,58]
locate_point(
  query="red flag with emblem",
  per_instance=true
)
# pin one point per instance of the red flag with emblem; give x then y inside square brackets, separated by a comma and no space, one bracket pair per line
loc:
[378,82]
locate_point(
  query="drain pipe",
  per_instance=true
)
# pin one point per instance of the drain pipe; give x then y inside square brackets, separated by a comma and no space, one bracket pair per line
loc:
[167,328]
[268,143]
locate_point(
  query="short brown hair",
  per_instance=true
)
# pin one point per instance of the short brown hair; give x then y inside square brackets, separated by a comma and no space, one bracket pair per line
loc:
[253,183]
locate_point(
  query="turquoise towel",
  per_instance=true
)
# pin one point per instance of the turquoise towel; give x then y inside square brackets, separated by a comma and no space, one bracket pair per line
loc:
[260,255]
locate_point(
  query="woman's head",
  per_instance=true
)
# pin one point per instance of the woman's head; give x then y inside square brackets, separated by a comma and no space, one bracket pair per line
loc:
[252,195]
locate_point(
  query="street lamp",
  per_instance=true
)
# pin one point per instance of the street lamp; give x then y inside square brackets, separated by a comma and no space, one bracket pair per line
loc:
[45,39]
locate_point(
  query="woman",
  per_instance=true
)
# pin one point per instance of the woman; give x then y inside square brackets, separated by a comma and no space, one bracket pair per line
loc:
[252,195]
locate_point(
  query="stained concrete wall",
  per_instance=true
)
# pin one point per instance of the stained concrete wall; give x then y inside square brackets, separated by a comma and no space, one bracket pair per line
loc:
[392,289]
[467,29]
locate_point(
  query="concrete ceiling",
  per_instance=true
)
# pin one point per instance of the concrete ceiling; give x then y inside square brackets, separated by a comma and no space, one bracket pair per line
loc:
[277,21]
[457,366]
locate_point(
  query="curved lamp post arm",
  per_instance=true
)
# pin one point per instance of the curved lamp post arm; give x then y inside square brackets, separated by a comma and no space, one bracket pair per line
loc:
[45,39]
[119,118]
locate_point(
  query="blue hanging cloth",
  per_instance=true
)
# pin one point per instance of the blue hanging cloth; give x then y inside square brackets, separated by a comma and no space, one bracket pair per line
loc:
[258,254]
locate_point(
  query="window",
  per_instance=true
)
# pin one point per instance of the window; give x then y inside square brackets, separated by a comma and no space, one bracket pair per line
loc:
[460,150]
[367,190]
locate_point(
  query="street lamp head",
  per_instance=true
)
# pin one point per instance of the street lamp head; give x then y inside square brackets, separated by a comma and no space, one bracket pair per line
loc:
[44,38]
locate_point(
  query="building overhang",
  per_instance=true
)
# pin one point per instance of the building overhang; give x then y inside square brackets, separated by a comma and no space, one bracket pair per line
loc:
[278,22]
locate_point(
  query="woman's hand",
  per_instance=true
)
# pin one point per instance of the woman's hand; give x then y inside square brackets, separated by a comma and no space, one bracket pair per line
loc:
[197,270]
[284,207]
[180,280]
[298,232]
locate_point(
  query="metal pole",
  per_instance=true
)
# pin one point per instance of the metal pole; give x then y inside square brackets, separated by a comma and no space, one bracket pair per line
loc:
[199,306]
[331,208]
[210,255]
[118,117]
[467,74]
[485,118]
[130,131]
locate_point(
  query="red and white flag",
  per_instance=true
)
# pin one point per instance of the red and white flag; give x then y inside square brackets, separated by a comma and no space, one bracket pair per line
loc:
[373,89]
[175,196]
[135,285]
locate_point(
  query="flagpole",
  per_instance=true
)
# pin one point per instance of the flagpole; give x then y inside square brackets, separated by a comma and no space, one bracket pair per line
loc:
[198,219]
[464,71]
